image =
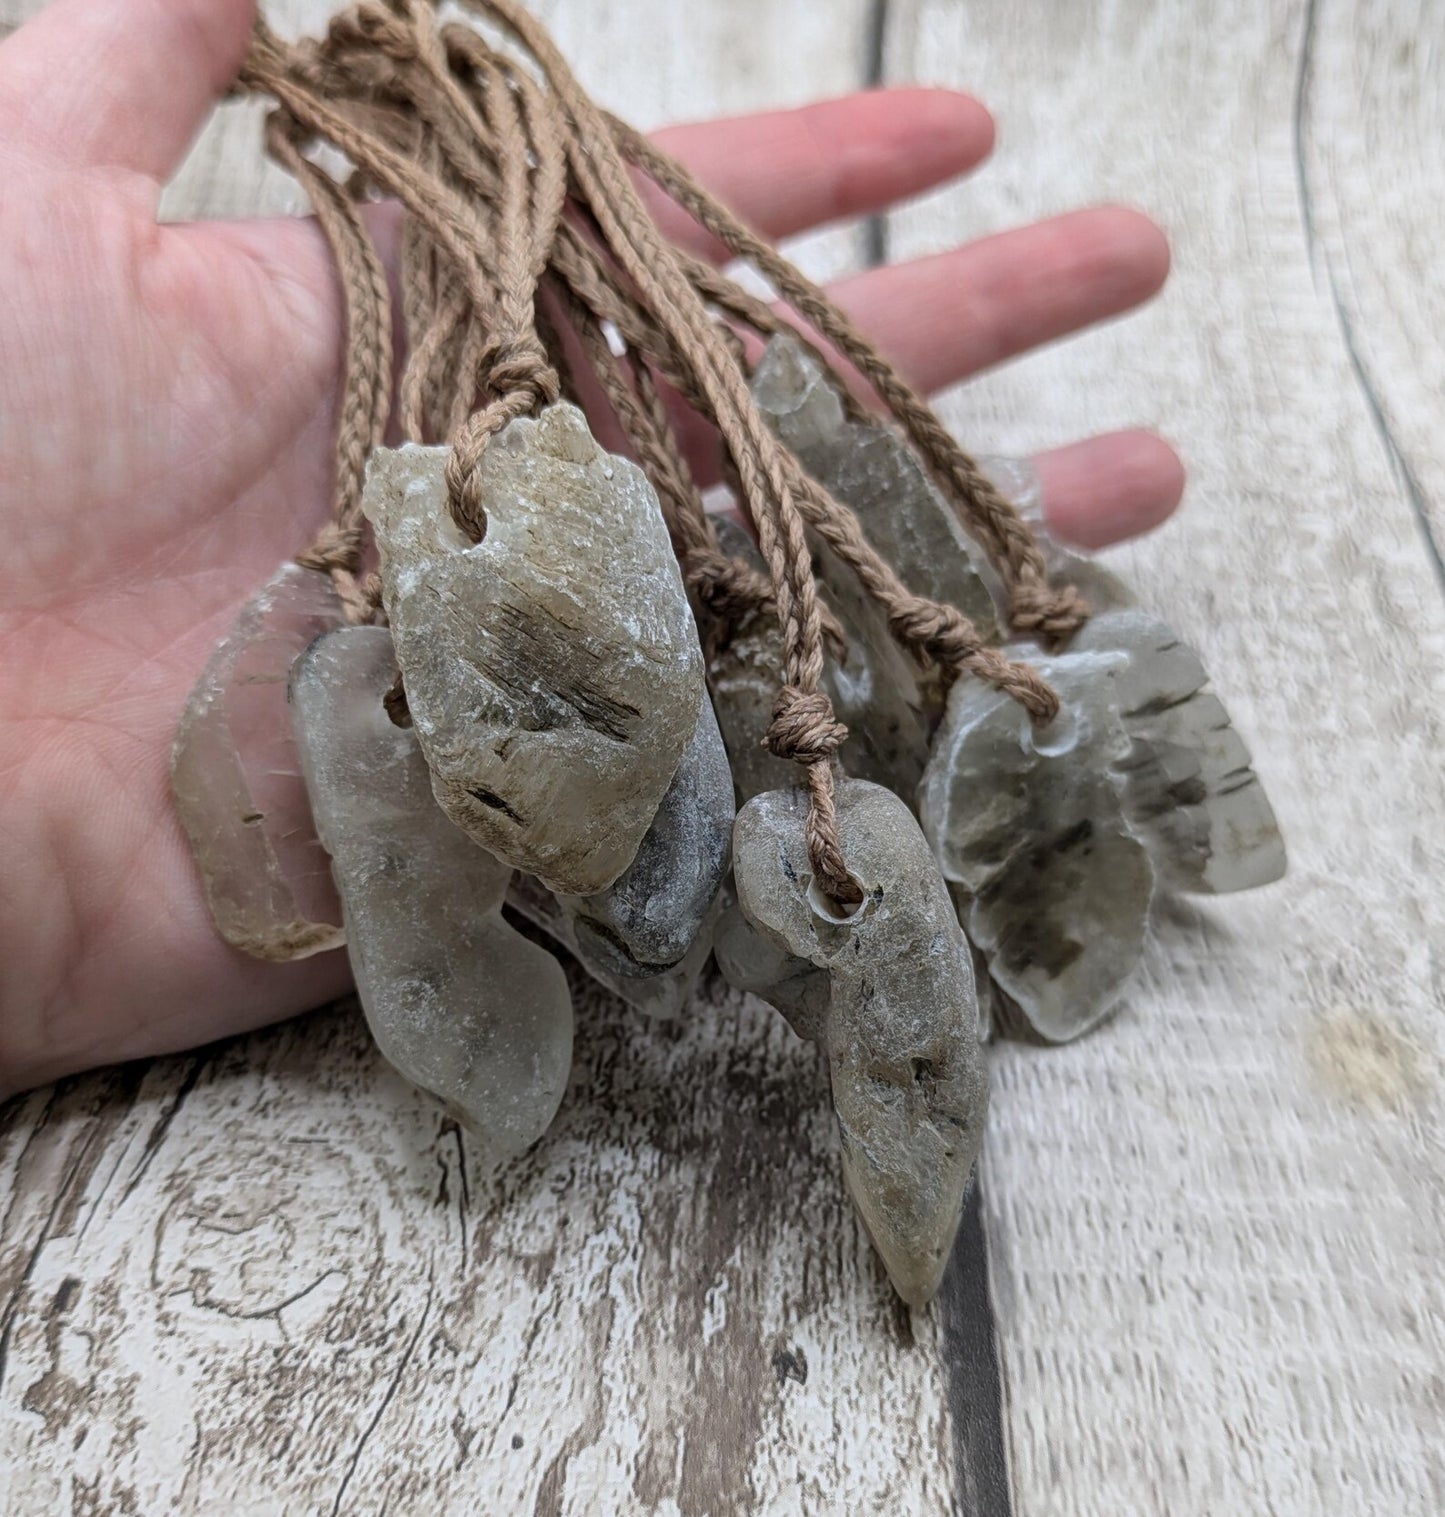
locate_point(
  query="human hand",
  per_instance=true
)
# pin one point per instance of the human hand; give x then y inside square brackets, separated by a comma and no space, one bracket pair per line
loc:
[167,401]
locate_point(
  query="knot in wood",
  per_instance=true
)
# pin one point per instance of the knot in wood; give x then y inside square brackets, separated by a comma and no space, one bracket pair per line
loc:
[804,728]
[1040,611]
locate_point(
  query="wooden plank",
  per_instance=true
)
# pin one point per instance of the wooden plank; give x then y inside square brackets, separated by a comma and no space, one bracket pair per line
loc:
[1215,1224]
[1370,121]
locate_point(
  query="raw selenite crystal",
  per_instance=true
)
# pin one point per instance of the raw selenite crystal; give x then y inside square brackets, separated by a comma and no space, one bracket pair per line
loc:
[552,670]
[1190,791]
[649,917]
[1031,824]
[889,993]
[661,992]
[456,998]
[870,468]
[237,779]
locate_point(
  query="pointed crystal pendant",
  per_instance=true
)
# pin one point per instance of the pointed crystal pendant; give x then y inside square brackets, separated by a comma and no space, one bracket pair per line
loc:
[237,779]
[552,670]
[1030,823]
[457,999]
[889,994]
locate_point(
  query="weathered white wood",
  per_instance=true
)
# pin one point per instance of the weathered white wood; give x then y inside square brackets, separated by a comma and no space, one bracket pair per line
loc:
[1215,1225]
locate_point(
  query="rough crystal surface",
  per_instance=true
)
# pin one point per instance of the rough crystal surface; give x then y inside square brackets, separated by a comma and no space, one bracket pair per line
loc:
[870,468]
[660,992]
[1190,790]
[649,917]
[552,670]
[1032,826]
[237,779]
[890,995]
[456,998]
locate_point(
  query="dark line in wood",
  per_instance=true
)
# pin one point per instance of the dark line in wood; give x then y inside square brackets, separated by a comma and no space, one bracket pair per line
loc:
[12,1307]
[975,1387]
[158,1133]
[1320,262]
[875,58]
[387,1398]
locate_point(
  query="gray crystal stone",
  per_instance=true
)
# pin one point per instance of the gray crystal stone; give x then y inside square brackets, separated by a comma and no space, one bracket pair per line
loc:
[649,917]
[237,779]
[457,999]
[1031,825]
[870,468]
[552,670]
[659,992]
[1190,791]
[889,993]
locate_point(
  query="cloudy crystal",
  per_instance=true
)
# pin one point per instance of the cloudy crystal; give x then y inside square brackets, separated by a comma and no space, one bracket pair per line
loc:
[1190,790]
[552,670]
[869,467]
[457,999]
[237,779]
[889,994]
[1031,825]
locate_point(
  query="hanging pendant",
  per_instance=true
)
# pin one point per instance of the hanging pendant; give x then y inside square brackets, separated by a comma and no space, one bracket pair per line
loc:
[552,669]
[1030,823]
[237,780]
[889,993]
[458,1001]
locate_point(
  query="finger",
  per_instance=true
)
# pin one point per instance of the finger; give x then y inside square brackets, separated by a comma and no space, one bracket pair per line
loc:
[1108,488]
[119,83]
[786,171]
[944,318]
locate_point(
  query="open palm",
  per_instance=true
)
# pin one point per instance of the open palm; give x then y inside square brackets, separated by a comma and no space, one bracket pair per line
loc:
[167,398]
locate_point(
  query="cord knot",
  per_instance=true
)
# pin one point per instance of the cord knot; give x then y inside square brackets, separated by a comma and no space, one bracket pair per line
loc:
[1053,615]
[518,369]
[334,547]
[804,728]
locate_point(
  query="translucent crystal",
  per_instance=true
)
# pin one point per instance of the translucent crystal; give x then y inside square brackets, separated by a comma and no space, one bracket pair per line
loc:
[457,999]
[659,992]
[870,468]
[1190,791]
[237,779]
[889,993]
[649,917]
[1031,825]
[552,670]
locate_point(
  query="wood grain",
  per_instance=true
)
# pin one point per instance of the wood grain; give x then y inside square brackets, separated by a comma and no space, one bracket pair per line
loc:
[1215,1223]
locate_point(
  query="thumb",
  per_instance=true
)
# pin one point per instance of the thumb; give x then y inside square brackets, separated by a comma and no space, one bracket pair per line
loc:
[119,83]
